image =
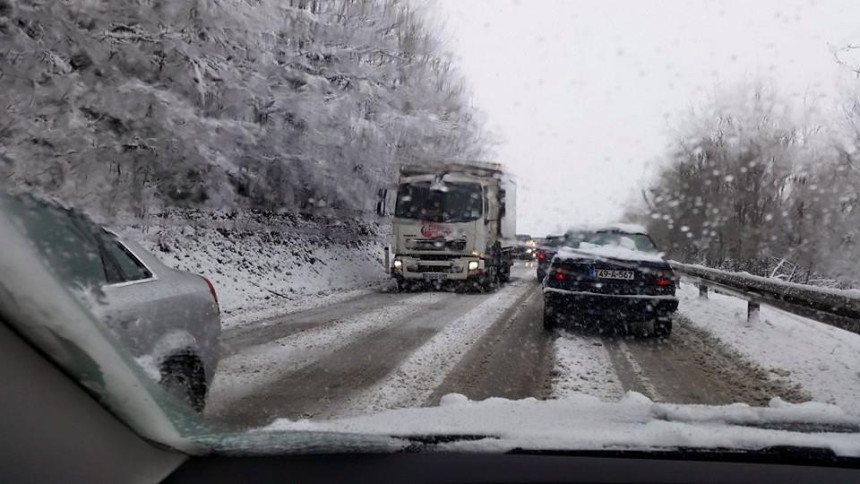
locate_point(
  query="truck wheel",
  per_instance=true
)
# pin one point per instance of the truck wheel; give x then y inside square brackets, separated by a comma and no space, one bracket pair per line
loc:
[662,328]
[184,378]
[550,319]
[485,284]
[505,274]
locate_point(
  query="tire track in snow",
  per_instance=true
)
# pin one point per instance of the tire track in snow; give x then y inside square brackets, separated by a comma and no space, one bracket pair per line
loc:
[258,366]
[583,365]
[513,359]
[412,383]
[649,390]
[690,367]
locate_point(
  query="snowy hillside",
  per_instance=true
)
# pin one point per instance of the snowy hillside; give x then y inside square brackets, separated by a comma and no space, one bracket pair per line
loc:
[267,264]
[135,104]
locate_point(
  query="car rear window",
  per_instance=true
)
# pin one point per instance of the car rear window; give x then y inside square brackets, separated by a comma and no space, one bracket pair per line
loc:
[131,268]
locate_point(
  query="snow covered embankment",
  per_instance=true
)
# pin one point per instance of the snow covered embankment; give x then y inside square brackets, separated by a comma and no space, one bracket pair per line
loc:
[263,265]
[824,360]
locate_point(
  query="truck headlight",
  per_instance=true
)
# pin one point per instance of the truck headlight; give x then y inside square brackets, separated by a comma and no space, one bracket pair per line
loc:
[473,265]
[398,264]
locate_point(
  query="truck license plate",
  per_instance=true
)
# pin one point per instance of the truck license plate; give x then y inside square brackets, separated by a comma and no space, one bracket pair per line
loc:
[435,276]
[611,274]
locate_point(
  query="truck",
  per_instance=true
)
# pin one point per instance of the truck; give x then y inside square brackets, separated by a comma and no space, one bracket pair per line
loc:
[453,224]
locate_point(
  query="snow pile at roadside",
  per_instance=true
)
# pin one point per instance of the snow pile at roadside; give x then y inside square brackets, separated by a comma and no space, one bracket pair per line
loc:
[773,281]
[263,265]
[584,422]
[823,359]
[582,365]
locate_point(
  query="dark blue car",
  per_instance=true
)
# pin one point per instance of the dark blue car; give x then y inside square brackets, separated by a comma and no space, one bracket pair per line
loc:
[615,276]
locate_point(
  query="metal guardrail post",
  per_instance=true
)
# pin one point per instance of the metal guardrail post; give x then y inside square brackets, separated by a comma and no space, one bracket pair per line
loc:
[387,260]
[753,310]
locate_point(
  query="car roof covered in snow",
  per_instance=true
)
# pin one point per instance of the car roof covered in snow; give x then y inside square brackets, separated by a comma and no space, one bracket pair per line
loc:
[615,227]
[622,227]
[608,252]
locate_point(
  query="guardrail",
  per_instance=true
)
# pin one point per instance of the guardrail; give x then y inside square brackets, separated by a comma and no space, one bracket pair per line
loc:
[833,307]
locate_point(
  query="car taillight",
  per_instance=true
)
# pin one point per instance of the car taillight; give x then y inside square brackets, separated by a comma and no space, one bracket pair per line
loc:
[541,255]
[214,295]
[664,281]
[558,276]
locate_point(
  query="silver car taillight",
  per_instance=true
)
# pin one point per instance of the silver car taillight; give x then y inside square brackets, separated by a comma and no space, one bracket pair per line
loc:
[214,295]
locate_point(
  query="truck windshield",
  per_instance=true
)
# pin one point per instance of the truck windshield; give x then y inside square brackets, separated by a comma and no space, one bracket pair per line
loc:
[457,202]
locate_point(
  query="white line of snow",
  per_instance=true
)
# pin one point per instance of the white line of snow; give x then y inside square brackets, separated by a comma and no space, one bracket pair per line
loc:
[652,392]
[261,365]
[583,422]
[823,359]
[582,365]
[416,378]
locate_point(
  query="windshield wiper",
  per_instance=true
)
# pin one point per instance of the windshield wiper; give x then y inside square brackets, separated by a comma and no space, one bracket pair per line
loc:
[778,454]
[427,442]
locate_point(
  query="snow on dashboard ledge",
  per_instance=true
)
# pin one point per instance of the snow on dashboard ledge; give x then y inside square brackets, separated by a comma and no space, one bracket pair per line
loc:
[583,422]
[591,251]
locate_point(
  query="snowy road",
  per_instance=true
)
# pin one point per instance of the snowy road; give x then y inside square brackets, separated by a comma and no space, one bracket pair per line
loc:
[386,350]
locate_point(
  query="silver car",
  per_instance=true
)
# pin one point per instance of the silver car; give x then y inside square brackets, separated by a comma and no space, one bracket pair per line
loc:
[168,319]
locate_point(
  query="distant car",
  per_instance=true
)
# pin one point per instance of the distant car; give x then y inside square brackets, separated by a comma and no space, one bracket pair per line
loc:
[552,244]
[168,319]
[545,252]
[526,248]
[614,275]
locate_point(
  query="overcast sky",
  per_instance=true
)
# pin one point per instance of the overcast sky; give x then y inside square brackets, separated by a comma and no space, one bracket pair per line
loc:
[585,95]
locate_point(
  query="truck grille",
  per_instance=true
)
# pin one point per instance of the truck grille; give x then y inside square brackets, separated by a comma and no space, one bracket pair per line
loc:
[430,244]
[443,269]
[440,256]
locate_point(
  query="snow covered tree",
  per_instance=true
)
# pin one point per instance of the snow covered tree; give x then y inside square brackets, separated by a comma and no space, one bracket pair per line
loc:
[122,104]
[749,189]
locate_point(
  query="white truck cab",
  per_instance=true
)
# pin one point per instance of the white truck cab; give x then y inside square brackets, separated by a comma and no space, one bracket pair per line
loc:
[453,222]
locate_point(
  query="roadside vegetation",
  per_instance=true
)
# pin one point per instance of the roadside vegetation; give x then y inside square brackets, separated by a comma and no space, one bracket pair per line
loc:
[147,105]
[752,183]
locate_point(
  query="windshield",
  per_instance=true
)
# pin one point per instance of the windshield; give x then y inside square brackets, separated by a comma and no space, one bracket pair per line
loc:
[448,202]
[494,224]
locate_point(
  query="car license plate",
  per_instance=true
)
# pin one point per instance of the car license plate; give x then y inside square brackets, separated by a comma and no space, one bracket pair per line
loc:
[613,274]
[435,276]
